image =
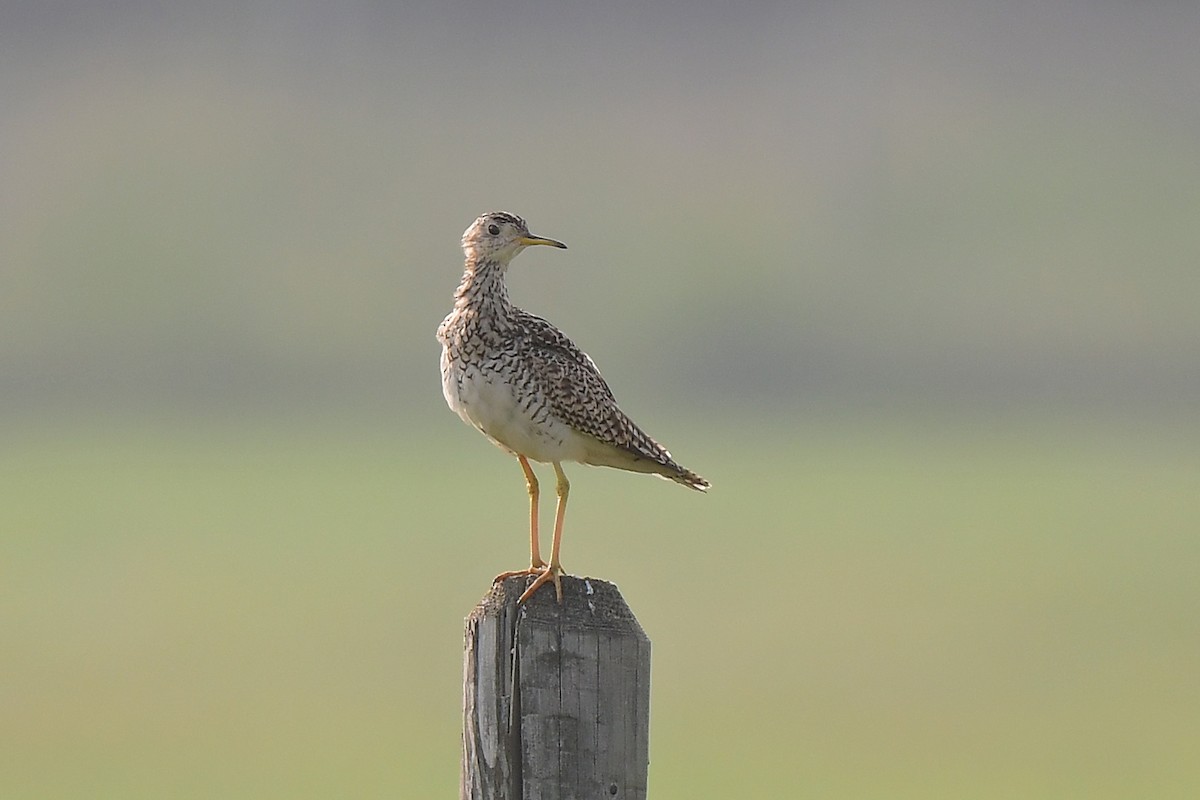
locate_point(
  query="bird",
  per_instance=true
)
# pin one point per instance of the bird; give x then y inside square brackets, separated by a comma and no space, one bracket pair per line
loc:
[530,390]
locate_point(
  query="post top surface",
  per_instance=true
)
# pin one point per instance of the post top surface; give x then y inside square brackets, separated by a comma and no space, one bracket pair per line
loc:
[587,603]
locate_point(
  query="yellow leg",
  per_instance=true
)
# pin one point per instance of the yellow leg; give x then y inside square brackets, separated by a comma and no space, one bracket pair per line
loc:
[562,489]
[531,483]
[536,565]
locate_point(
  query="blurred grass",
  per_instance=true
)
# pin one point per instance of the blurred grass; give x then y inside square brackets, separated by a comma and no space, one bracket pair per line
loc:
[861,607]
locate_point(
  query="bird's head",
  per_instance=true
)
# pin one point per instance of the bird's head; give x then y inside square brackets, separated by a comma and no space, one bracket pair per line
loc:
[499,236]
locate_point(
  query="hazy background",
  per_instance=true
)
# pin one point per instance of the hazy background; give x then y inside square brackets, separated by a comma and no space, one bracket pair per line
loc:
[916,288]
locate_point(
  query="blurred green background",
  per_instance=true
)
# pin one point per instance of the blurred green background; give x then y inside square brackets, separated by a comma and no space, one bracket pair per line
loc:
[916,288]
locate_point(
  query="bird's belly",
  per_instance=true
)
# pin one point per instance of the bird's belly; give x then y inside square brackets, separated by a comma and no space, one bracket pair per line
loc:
[505,414]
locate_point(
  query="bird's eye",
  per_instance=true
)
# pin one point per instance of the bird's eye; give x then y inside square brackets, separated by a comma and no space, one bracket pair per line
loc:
[494,230]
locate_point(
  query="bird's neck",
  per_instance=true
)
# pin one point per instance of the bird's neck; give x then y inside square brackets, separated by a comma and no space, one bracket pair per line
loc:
[482,289]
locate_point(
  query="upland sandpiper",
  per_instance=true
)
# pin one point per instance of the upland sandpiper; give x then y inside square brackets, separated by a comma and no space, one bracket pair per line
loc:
[530,390]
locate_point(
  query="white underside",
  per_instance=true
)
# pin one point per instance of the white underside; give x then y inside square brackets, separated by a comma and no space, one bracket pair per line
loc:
[491,406]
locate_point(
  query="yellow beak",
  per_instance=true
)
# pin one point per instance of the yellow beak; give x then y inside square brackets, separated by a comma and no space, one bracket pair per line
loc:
[532,240]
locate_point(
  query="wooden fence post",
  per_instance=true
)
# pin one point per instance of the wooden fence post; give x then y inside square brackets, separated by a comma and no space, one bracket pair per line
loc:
[556,699]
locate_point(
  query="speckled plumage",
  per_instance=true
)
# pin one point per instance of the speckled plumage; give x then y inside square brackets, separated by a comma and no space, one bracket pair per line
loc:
[554,385]
[529,389]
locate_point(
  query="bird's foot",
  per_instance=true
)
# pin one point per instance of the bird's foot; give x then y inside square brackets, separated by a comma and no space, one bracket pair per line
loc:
[550,573]
[545,574]
[535,568]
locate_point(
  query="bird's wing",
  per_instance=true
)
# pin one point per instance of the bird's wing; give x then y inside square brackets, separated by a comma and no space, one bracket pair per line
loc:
[578,394]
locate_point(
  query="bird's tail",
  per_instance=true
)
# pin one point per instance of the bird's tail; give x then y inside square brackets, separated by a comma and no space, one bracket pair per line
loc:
[649,456]
[689,479]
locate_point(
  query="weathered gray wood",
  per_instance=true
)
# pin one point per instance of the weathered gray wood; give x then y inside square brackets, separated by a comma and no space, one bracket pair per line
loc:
[556,699]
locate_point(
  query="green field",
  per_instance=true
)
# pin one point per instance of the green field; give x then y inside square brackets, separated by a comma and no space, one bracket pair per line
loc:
[860,608]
